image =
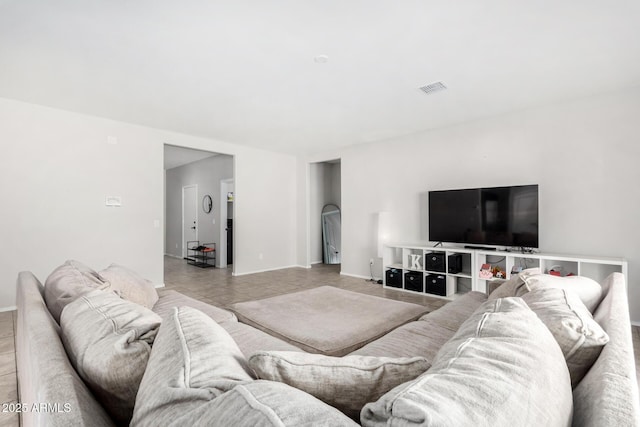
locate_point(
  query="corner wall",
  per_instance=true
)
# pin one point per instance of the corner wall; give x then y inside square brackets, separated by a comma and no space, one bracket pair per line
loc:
[56,168]
[583,154]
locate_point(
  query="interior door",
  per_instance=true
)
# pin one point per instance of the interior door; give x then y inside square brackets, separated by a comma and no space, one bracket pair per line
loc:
[189,216]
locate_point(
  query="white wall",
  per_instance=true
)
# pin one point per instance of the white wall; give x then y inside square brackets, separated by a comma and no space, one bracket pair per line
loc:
[207,174]
[584,155]
[324,189]
[56,168]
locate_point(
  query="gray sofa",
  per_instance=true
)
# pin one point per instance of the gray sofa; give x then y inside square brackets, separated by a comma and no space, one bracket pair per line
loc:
[606,396]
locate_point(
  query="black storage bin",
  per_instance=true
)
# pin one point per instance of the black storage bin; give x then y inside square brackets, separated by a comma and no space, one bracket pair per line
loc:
[394,278]
[435,261]
[414,281]
[455,263]
[436,284]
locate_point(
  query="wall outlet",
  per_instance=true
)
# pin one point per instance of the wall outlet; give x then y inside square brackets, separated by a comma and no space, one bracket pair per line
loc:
[260,257]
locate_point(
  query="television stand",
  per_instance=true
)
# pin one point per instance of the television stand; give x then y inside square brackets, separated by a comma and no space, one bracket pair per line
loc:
[480,248]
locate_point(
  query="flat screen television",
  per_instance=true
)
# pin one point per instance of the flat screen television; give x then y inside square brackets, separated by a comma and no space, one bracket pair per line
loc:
[497,216]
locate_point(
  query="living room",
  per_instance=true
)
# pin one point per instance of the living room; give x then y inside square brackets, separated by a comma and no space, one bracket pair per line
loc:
[71,138]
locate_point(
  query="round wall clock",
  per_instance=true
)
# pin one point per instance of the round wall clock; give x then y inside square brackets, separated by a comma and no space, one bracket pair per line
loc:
[207,203]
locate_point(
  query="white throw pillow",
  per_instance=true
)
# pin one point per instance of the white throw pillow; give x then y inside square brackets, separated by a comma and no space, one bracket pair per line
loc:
[588,290]
[579,336]
[130,285]
[503,368]
[346,383]
[108,341]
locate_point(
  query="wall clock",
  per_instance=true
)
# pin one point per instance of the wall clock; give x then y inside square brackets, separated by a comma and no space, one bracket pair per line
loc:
[207,203]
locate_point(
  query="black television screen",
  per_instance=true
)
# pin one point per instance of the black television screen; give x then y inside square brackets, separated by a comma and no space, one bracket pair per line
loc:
[498,216]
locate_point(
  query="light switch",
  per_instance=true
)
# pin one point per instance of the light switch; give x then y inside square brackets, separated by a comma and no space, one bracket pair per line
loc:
[113,201]
[156,223]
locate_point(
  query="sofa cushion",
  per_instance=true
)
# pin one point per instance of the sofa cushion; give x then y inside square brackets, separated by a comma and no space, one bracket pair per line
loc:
[419,338]
[68,282]
[130,285]
[169,299]
[108,341]
[198,376]
[579,336]
[454,313]
[346,383]
[251,340]
[589,291]
[502,368]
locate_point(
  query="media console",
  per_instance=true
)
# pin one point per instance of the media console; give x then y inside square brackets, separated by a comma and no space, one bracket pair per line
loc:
[450,271]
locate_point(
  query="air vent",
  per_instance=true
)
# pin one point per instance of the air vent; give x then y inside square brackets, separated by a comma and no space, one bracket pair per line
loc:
[433,87]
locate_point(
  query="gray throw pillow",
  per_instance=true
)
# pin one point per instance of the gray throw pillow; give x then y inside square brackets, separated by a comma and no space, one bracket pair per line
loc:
[346,383]
[503,368]
[130,285]
[69,281]
[578,334]
[108,341]
[197,376]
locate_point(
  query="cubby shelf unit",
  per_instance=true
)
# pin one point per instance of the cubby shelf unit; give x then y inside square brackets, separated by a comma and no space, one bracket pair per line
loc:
[406,267]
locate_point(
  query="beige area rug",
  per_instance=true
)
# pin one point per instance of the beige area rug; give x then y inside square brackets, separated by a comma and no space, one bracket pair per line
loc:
[327,320]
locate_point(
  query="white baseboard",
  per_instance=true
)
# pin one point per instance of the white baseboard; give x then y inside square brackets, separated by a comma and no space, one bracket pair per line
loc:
[11,308]
[159,285]
[268,269]
[173,256]
[316,262]
[358,276]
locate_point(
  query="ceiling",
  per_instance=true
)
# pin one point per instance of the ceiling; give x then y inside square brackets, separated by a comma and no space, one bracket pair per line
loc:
[244,71]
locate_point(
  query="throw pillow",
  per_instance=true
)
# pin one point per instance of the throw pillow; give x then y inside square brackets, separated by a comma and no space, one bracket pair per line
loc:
[346,383]
[503,368]
[108,341]
[579,336]
[588,290]
[130,285]
[69,281]
[197,376]
[513,286]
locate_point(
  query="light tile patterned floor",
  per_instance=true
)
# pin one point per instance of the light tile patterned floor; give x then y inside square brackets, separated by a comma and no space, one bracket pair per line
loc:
[220,288]
[8,380]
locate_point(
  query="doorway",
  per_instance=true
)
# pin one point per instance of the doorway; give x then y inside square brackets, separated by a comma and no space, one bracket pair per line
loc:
[189,217]
[325,188]
[227,197]
[192,200]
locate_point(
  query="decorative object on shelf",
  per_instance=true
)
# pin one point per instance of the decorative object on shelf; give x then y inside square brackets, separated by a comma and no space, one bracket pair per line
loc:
[230,196]
[485,272]
[498,273]
[415,261]
[207,204]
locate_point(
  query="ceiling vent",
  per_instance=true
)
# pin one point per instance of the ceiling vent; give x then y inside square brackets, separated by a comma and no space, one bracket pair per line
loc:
[433,87]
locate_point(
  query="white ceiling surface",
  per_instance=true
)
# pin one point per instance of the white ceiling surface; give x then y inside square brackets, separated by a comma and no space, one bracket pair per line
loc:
[180,156]
[243,71]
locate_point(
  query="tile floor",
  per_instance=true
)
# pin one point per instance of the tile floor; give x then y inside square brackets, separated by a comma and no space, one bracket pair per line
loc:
[220,288]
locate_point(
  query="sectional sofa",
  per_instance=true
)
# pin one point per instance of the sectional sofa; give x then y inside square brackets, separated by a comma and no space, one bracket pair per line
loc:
[529,352]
